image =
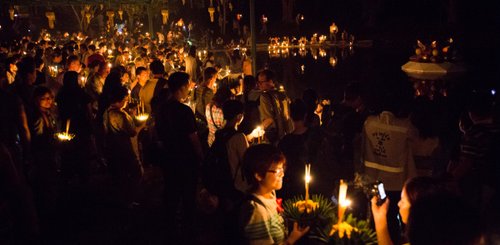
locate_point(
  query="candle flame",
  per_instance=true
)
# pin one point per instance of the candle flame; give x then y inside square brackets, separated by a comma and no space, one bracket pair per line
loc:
[142,117]
[308,173]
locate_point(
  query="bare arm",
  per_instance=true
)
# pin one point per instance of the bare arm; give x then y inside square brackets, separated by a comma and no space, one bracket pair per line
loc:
[380,218]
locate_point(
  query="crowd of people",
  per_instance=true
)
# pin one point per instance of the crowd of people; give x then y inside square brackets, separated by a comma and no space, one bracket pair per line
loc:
[227,144]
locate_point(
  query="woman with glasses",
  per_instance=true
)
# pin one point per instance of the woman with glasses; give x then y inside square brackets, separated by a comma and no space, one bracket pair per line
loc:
[43,145]
[259,221]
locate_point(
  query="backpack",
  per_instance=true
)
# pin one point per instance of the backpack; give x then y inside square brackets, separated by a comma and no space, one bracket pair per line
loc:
[216,172]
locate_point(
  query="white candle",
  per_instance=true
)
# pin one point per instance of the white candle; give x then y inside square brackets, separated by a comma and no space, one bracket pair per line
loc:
[343,202]
[307,180]
[67,126]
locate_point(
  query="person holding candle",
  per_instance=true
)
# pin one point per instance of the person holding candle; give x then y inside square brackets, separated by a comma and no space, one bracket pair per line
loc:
[122,156]
[43,145]
[259,221]
[74,104]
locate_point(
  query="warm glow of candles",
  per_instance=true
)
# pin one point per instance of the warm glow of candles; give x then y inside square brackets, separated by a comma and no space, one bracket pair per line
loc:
[65,136]
[343,202]
[307,180]
[142,117]
[67,126]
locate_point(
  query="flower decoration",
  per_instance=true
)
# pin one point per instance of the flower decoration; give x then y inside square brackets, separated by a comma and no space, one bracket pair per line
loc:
[352,231]
[306,205]
[435,52]
[317,212]
[320,214]
[343,228]
[280,208]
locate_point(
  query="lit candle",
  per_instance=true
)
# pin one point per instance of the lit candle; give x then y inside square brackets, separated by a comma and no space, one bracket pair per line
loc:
[307,180]
[259,129]
[67,126]
[343,202]
[142,106]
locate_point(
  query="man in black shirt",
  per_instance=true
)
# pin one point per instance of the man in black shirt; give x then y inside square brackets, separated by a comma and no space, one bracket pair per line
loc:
[183,153]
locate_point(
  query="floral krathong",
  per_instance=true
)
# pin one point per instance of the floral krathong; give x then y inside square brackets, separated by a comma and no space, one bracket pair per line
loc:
[343,228]
[308,206]
[320,214]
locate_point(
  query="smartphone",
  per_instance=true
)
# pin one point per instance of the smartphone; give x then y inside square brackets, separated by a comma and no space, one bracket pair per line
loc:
[382,196]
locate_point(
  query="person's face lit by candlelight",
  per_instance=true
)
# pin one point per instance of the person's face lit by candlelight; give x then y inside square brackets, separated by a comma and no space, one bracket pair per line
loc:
[46,102]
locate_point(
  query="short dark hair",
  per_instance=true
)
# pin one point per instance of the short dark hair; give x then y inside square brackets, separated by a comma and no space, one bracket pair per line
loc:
[117,94]
[258,159]
[157,67]
[231,109]
[209,73]
[139,70]
[423,186]
[39,92]
[71,58]
[298,110]
[177,80]
[268,73]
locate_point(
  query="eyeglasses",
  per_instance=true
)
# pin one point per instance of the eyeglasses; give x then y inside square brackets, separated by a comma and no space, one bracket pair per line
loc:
[277,172]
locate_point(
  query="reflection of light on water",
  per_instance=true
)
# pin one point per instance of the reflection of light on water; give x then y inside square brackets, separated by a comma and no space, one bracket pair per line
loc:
[302,69]
[322,52]
[333,61]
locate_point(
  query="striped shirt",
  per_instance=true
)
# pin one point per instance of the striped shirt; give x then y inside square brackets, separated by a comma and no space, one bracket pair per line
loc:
[265,226]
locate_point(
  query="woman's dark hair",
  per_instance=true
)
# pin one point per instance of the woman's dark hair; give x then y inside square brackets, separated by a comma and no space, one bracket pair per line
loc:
[298,110]
[420,187]
[232,108]
[258,159]
[222,95]
[118,94]
[442,219]
[177,80]
[39,92]
[70,80]
[119,69]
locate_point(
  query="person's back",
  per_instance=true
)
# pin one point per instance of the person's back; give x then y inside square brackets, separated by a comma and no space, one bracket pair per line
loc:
[387,154]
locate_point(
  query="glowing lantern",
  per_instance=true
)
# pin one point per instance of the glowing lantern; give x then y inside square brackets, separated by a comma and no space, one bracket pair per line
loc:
[164,14]
[51,16]
[211,11]
[111,16]
[120,13]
